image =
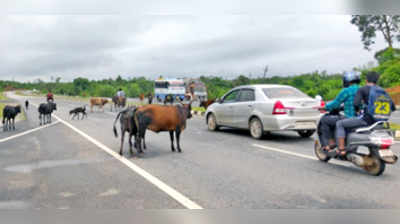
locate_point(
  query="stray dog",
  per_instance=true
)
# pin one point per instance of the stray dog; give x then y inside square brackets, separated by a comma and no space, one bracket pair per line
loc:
[77,111]
[26,104]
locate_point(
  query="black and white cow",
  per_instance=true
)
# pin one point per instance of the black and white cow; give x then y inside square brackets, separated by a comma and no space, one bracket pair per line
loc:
[45,111]
[9,113]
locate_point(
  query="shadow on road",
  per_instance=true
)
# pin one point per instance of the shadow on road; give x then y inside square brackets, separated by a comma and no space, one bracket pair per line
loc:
[272,136]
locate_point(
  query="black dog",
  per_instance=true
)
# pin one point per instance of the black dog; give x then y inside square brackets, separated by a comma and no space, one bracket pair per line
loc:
[77,111]
[26,104]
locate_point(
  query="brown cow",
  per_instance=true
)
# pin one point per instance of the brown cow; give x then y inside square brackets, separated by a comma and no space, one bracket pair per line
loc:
[162,118]
[207,103]
[100,102]
[141,97]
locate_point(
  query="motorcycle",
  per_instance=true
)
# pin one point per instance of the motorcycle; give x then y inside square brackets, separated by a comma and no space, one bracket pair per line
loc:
[377,138]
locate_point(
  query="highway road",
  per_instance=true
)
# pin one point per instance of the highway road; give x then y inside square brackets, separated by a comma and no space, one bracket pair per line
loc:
[74,165]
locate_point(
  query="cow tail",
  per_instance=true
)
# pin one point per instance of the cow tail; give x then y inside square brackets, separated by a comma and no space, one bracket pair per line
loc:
[114,128]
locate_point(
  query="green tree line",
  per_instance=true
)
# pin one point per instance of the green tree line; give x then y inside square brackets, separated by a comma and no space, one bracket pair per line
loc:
[315,83]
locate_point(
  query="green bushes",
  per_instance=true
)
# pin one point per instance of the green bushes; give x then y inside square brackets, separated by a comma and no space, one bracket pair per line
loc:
[391,74]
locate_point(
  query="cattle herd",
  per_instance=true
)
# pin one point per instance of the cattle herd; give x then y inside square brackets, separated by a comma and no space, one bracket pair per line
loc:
[133,119]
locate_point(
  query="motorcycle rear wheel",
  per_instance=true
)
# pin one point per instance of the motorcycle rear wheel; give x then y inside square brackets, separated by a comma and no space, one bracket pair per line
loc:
[377,167]
[319,153]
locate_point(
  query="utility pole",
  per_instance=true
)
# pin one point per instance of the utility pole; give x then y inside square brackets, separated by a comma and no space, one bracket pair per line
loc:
[265,71]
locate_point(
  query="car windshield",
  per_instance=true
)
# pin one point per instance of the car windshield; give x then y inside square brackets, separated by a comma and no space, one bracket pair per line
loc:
[283,92]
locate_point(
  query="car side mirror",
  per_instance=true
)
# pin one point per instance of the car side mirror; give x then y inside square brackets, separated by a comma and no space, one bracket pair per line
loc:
[219,100]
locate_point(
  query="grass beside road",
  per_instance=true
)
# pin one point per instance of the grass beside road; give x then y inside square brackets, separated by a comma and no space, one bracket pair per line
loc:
[1,109]
[394,126]
[199,109]
[2,96]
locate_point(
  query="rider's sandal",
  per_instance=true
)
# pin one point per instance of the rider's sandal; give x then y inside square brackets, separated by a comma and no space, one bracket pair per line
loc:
[341,152]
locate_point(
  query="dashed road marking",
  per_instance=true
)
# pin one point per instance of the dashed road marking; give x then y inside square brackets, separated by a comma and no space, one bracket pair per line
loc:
[299,154]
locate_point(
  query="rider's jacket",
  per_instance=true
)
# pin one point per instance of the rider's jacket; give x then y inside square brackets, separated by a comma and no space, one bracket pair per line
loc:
[361,103]
[345,96]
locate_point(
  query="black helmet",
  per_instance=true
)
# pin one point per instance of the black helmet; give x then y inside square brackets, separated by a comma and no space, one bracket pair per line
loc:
[351,77]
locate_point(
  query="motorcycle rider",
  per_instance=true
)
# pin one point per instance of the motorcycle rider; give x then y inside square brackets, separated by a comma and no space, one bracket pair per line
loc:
[351,81]
[363,97]
[50,96]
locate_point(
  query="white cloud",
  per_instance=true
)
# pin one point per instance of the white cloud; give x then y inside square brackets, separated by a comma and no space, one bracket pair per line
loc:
[101,46]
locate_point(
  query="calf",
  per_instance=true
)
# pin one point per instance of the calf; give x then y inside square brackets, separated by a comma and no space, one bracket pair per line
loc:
[9,113]
[100,102]
[45,111]
[127,124]
[162,118]
[77,111]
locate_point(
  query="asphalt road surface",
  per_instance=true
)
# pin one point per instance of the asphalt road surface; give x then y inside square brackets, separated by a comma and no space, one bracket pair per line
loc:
[74,165]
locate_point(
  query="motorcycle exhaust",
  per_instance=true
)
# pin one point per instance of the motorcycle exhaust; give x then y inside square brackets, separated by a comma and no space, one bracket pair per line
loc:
[356,159]
[390,160]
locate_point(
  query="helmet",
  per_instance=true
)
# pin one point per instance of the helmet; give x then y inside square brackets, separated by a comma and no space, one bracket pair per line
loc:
[350,77]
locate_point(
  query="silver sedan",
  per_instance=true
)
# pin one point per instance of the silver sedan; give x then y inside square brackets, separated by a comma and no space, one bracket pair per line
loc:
[265,108]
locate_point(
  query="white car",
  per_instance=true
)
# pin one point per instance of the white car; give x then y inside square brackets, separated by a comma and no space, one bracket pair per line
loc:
[265,108]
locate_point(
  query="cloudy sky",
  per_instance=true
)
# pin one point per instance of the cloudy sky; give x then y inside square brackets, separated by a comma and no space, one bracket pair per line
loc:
[106,45]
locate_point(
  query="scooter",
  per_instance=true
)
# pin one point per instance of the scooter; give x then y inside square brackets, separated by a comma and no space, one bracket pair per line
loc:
[377,138]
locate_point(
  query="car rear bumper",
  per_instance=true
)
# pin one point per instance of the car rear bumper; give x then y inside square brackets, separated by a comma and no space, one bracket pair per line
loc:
[290,123]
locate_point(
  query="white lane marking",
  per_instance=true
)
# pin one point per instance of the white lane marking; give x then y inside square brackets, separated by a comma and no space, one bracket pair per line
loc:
[185,201]
[29,131]
[285,152]
[297,154]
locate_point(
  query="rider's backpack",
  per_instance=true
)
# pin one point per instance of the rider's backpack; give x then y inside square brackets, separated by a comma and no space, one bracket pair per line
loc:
[379,104]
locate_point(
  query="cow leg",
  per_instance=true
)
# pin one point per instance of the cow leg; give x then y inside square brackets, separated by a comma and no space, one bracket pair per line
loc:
[135,144]
[178,134]
[171,135]
[138,143]
[13,123]
[40,119]
[122,141]
[130,143]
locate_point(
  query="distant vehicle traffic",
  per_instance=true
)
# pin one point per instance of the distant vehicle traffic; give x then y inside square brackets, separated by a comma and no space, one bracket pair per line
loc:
[173,87]
[265,108]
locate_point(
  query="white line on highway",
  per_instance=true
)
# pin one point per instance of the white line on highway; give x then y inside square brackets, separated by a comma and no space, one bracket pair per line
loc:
[297,154]
[27,132]
[185,201]
[285,152]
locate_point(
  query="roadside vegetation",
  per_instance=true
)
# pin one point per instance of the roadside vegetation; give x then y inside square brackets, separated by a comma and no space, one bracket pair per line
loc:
[315,83]
[2,96]
[1,110]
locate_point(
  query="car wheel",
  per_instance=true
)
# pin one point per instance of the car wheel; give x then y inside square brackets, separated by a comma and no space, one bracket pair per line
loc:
[212,123]
[306,133]
[256,128]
